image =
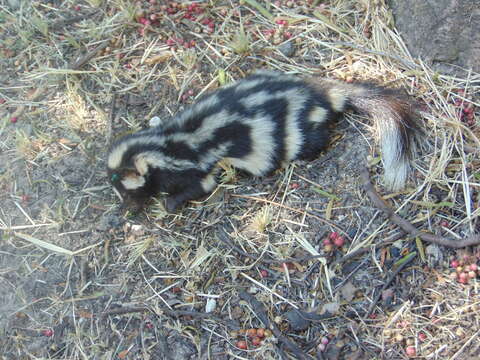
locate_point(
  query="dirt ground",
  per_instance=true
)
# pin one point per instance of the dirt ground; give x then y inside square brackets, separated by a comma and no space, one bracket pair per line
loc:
[246,273]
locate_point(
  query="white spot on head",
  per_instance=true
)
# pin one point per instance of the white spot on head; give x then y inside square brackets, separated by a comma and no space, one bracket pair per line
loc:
[117,153]
[133,182]
[141,164]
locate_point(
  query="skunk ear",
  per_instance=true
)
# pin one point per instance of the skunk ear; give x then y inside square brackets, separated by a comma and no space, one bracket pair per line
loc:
[132,180]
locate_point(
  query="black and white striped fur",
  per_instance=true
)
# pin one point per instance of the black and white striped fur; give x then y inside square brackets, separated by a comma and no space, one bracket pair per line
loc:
[257,124]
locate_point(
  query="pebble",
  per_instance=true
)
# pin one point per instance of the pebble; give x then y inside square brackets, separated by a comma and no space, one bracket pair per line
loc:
[287,48]
[154,121]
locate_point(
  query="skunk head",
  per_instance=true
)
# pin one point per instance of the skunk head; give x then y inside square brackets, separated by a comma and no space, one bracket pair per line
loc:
[135,188]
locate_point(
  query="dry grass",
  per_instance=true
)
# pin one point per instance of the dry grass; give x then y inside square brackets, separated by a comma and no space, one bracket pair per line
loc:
[68,255]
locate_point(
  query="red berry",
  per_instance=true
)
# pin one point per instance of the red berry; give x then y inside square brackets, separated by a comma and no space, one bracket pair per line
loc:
[13,119]
[78,8]
[411,351]
[47,332]
[2,101]
[444,223]
[294,185]
[463,278]
[149,325]
[339,241]
[473,267]
[263,273]
[422,337]
[334,235]
[256,341]
[327,241]
[325,340]
[242,344]
[454,264]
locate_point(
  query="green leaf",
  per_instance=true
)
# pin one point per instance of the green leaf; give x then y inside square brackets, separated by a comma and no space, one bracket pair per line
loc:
[326,194]
[432,205]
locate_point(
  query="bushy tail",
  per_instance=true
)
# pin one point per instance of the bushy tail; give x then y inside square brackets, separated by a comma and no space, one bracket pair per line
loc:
[393,121]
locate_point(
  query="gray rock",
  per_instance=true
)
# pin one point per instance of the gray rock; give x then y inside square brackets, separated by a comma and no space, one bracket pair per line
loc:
[287,48]
[445,33]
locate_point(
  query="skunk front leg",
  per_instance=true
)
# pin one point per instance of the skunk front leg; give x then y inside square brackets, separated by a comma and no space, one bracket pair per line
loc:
[195,190]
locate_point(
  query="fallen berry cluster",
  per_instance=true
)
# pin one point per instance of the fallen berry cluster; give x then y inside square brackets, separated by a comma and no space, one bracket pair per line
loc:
[253,337]
[152,15]
[333,240]
[464,271]
[409,343]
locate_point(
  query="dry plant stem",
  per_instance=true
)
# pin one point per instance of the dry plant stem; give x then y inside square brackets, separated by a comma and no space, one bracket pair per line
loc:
[387,284]
[111,118]
[407,226]
[364,250]
[89,56]
[75,66]
[224,237]
[260,312]
[303,212]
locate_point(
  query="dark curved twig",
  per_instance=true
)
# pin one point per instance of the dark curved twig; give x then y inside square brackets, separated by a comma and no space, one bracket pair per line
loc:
[173,313]
[406,225]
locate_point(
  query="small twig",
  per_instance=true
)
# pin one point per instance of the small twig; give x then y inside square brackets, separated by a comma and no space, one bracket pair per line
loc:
[111,119]
[407,261]
[406,225]
[89,56]
[260,312]
[62,22]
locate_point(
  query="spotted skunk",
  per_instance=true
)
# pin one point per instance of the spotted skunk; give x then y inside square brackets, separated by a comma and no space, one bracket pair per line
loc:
[257,124]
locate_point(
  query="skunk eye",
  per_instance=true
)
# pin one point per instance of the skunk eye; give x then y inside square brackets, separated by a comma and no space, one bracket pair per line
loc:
[115,177]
